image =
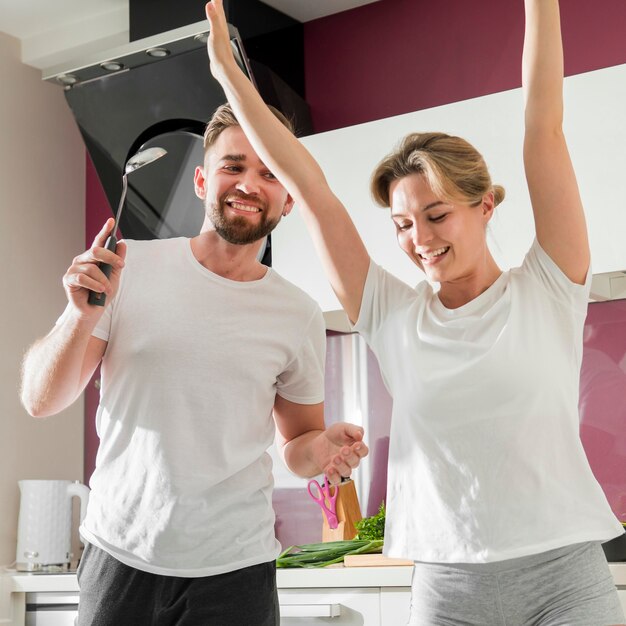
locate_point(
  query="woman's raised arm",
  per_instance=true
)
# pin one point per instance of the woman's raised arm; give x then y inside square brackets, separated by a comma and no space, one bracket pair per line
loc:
[336,239]
[557,207]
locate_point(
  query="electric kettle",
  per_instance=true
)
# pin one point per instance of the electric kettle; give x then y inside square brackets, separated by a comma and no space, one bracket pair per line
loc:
[44,529]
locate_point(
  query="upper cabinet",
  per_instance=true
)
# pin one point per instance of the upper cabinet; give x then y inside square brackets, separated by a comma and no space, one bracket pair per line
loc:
[595,126]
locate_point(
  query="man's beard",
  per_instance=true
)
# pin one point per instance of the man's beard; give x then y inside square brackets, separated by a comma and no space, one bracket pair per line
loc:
[238,229]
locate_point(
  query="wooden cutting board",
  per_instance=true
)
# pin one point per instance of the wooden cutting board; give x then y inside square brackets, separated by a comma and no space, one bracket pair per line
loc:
[373,560]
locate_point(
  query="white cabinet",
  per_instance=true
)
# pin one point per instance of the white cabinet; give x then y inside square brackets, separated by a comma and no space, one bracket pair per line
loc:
[341,607]
[596,131]
[359,596]
[371,606]
[395,606]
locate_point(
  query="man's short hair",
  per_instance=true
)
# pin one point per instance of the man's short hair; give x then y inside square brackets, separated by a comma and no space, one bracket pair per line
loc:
[224,118]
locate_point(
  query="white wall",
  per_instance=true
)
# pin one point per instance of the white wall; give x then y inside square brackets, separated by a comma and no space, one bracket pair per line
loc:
[42,189]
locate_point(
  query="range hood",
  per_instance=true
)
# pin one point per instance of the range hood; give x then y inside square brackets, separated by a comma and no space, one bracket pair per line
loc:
[158,91]
[138,53]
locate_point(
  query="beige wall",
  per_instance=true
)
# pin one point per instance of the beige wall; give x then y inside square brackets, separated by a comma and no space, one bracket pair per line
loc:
[42,188]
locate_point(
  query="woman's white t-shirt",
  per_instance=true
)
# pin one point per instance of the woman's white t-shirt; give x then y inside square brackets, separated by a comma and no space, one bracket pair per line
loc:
[485,460]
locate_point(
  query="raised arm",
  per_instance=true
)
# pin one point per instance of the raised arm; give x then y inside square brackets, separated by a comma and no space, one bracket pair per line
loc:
[336,239]
[57,368]
[557,207]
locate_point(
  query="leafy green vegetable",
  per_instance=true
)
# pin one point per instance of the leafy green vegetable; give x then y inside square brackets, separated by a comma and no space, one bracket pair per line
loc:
[372,528]
[326,553]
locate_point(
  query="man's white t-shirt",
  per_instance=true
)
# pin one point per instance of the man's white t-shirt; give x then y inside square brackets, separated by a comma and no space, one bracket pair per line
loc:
[485,462]
[183,482]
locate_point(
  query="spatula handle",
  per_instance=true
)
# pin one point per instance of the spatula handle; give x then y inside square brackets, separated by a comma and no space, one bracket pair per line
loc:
[96,297]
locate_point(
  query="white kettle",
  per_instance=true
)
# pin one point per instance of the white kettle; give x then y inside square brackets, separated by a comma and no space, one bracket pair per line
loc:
[44,529]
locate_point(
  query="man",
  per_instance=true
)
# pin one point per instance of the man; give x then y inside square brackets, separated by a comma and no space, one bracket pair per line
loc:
[201,345]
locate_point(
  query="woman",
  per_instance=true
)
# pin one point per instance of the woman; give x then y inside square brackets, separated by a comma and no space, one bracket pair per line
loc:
[489,490]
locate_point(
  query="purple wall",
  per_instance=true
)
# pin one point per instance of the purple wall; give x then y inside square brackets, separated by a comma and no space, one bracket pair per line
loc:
[603,399]
[98,212]
[396,56]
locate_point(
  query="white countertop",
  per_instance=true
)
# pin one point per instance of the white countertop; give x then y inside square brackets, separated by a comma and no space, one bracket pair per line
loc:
[339,576]
[286,578]
[23,582]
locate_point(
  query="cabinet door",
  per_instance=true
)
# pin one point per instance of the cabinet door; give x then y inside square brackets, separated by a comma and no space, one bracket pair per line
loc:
[595,102]
[395,606]
[337,606]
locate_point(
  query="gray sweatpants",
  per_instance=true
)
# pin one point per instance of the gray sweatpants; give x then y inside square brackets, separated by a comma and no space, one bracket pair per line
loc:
[570,586]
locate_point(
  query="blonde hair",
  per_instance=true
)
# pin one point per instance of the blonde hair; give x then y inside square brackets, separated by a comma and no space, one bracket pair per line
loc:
[453,168]
[224,118]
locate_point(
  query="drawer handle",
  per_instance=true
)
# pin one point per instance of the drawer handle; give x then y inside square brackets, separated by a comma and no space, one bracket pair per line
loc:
[310,610]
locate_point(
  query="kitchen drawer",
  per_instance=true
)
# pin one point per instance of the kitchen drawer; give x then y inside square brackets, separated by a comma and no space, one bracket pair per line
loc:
[335,606]
[51,608]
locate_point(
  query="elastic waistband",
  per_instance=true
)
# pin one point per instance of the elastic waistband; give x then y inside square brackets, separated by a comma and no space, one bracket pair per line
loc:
[532,560]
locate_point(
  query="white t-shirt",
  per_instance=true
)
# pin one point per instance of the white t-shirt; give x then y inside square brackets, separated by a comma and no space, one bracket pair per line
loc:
[183,482]
[485,460]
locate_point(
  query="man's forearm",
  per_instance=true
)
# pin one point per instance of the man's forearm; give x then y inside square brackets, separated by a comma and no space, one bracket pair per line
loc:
[52,371]
[299,454]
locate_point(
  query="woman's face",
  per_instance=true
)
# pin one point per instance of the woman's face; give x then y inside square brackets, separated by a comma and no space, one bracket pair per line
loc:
[446,240]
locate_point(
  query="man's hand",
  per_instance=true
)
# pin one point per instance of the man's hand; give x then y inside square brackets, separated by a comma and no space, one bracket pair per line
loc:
[84,274]
[339,449]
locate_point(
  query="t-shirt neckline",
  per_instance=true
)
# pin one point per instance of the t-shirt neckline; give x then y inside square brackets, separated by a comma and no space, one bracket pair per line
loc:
[482,300]
[208,273]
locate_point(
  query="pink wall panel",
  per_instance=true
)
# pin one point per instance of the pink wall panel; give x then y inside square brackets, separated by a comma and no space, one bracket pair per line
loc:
[396,56]
[603,399]
[98,209]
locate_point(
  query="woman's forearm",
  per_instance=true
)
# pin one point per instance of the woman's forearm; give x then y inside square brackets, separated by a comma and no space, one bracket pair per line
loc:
[542,64]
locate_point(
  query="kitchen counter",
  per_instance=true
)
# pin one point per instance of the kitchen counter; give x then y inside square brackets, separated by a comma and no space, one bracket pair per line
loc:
[22,582]
[13,585]
[286,578]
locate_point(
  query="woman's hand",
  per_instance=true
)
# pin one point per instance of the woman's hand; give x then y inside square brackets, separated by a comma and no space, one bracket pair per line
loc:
[218,45]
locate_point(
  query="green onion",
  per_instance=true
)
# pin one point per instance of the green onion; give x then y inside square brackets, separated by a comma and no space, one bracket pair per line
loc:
[326,553]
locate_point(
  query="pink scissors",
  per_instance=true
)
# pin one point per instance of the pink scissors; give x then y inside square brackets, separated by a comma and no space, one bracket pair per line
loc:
[326,497]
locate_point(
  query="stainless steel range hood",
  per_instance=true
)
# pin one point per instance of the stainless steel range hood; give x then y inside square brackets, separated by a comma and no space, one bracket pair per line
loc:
[139,53]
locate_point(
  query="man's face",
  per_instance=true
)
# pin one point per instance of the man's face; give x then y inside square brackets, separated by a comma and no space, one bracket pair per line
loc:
[242,198]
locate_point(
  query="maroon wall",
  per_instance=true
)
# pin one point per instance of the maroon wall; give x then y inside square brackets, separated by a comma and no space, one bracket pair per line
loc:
[603,399]
[98,211]
[396,56]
